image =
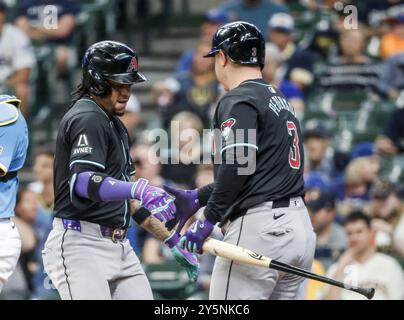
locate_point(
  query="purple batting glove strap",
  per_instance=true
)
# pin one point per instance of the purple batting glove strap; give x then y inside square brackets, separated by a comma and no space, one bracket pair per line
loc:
[186,203]
[196,235]
[172,240]
[156,200]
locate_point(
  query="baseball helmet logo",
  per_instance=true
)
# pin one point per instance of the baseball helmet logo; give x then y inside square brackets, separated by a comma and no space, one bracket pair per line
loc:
[226,127]
[133,65]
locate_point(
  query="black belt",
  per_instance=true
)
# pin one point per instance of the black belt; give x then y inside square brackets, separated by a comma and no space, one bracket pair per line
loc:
[8,176]
[281,203]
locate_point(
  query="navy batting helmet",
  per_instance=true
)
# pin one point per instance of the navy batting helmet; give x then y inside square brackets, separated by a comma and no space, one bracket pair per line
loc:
[242,42]
[109,60]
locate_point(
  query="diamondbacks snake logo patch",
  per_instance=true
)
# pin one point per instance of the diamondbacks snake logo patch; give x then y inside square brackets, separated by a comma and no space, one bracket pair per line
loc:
[226,127]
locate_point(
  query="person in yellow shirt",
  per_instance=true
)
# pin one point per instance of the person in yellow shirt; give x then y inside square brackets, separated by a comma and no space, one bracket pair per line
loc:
[314,288]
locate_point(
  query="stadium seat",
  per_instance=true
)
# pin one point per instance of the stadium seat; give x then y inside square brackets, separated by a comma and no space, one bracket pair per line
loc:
[169,281]
[392,168]
[348,100]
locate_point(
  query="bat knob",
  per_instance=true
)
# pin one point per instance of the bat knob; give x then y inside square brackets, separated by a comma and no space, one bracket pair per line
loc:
[369,293]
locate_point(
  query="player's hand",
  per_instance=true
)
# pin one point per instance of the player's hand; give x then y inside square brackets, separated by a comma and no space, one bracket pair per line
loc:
[186,259]
[196,235]
[156,200]
[187,204]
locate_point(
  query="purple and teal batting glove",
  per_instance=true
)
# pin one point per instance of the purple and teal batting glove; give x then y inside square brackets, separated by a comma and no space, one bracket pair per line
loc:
[156,200]
[186,259]
[187,204]
[196,235]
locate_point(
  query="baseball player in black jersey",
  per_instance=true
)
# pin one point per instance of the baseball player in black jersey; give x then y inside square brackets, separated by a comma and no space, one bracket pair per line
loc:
[258,188]
[87,255]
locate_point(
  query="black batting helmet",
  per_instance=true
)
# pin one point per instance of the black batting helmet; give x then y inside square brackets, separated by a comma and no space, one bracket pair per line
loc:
[241,41]
[109,60]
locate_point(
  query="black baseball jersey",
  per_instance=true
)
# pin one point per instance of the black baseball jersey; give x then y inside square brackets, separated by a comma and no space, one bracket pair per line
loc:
[90,140]
[254,117]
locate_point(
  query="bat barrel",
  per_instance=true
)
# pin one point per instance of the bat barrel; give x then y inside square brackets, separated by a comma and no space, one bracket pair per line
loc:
[242,255]
[367,292]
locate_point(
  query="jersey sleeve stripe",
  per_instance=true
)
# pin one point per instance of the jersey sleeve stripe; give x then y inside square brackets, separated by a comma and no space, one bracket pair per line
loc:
[72,183]
[87,162]
[249,145]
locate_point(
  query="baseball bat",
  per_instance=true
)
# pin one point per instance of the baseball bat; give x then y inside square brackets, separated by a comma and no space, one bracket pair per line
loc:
[242,255]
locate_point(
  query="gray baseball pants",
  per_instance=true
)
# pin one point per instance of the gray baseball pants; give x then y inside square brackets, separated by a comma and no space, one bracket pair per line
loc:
[86,265]
[283,234]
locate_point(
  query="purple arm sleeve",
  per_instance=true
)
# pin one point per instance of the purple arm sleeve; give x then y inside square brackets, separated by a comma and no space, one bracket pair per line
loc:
[110,190]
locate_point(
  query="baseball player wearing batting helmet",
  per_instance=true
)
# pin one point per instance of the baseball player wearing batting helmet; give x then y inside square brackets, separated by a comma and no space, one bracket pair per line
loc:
[13,150]
[258,188]
[87,255]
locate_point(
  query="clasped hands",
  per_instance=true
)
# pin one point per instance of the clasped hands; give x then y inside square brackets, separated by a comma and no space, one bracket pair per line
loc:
[173,206]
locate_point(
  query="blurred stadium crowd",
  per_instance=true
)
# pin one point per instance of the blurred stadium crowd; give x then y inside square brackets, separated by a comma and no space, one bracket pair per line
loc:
[340,63]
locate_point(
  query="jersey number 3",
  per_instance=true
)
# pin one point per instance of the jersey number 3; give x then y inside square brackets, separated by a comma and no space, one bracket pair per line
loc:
[294,153]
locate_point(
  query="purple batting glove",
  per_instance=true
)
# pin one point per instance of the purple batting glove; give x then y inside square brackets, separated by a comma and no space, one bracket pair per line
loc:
[187,204]
[186,259]
[156,200]
[196,235]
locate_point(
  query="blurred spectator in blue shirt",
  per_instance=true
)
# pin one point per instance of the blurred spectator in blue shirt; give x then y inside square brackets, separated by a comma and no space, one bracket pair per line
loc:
[272,73]
[331,239]
[195,91]
[363,149]
[213,20]
[43,189]
[316,180]
[361,172]
[296,64]
[391,140]
[254,11]
[353,190]
[35,18]
[320,155]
